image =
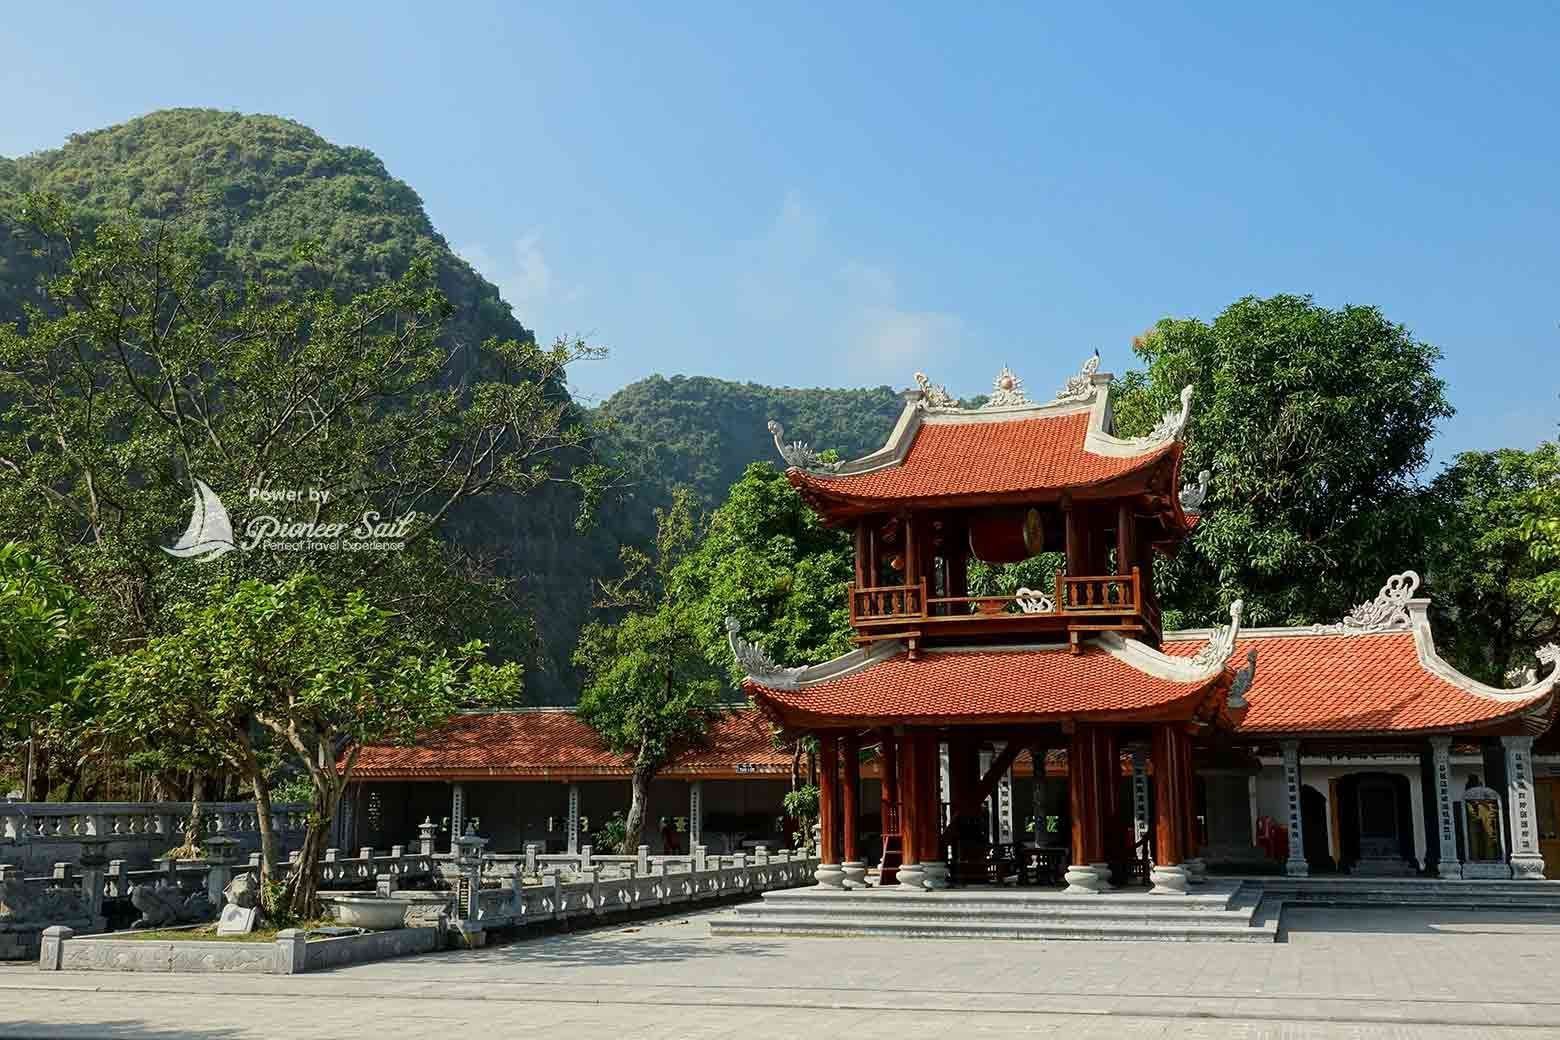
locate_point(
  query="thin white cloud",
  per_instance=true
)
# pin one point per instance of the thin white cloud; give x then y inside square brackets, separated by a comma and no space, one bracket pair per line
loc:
[793,276]
[525,279]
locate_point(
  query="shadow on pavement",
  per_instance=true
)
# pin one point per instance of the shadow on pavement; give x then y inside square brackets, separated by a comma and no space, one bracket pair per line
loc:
[1415,920]
[113,1029]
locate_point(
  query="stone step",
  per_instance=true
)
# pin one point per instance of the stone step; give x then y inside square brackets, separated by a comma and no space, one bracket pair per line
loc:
[1001,901]
[987,916]
[890,926]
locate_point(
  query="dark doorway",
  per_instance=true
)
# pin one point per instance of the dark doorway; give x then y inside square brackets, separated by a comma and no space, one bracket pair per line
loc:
[1375,824]
[1313,824]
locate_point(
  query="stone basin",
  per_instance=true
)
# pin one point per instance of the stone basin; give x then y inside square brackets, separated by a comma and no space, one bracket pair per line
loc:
[366,910]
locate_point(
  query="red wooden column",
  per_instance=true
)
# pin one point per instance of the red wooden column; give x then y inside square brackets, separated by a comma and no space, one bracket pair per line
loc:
[929,762]
[910,874]
[1113,839]
[893,841]
[1191,840]
[829,874]
[850,805]
[1171,752]
[1087,802]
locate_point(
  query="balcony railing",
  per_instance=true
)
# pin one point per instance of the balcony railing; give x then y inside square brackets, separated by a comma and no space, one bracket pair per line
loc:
[888,602]
[1071,597]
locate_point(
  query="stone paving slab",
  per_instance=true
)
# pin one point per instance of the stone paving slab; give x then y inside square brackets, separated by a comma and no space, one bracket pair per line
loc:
[1358,973]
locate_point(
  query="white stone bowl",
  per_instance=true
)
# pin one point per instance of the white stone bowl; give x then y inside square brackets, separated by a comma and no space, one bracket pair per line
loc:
[366,910]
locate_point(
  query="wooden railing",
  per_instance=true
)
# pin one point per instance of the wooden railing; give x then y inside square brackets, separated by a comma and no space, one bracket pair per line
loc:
[888,602]
[1105,594]
[1113,594]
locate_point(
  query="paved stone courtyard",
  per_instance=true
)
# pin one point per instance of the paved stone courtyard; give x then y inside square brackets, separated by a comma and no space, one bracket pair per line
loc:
[1342,973]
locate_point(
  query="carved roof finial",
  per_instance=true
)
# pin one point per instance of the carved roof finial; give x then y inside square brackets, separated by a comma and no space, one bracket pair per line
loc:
[757,664]
[1007,390]
[1386,613]
[1222,643]
[934,395]
[1243,680]
[1081,386]
[1193,495]
[797,453]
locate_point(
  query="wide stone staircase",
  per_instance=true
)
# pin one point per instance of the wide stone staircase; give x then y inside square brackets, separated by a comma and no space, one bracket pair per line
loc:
[1220,910]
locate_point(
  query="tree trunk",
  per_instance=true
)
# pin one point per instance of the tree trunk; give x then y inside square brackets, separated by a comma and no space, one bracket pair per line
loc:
[266,826]
[270,853]
[302,890]
[639,787]
[195,827]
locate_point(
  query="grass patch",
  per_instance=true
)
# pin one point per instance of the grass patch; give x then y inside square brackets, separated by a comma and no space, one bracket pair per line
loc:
[208,933]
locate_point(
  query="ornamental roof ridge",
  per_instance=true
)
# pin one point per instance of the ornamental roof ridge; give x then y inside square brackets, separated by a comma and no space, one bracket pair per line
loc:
[1206,663]
[762,669]
[1396,611]
[931,404]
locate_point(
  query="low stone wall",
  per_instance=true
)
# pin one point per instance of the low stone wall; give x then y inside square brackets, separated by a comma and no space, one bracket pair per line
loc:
[291,953]
[665,884]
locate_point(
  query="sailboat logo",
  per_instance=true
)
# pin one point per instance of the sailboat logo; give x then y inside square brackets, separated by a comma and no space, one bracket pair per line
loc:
[210,533]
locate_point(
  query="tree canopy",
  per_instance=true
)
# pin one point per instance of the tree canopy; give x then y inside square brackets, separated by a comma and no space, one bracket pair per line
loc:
[1492,568]
[649,691]
[1315,424]
[769,563]
[319,671]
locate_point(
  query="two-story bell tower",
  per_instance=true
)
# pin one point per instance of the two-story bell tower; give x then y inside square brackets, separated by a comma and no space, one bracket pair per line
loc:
[1071,661]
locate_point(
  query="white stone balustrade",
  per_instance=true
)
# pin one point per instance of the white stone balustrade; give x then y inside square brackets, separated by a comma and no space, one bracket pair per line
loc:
[35,835]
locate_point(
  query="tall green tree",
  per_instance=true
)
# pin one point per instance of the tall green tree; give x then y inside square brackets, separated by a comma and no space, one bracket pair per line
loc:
[769,563]
[1315,424]
[1489,566]
[148,365]
[44,646]
[649,690]
[319,672]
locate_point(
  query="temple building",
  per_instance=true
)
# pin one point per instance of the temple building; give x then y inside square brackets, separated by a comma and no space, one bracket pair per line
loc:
[1057,734]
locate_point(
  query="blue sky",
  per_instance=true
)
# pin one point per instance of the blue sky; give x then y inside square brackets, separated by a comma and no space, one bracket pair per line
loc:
[823,197]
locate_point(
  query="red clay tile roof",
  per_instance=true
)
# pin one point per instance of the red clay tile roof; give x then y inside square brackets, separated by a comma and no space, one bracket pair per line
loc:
[996,457]
[1030,684]
[1357,684]
[557,745]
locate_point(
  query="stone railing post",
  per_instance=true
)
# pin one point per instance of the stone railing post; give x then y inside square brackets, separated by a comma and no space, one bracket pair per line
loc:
[642,860]
[52,946]
[384,885]
[92,863]
[427,832]
[468,931]
[699,854]
[585,854]
[532,850]
[221,851]
[292,949]
[517,899]
[117,879]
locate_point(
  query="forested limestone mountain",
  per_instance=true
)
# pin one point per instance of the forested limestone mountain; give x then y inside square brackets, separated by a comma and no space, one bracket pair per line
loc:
[257,186]
[702,432]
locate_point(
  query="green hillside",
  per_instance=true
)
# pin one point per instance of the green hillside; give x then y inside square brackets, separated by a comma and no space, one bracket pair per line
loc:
[702,432]
[257,186]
